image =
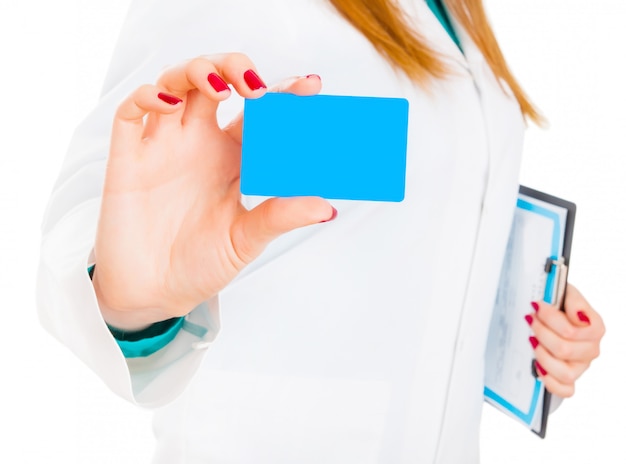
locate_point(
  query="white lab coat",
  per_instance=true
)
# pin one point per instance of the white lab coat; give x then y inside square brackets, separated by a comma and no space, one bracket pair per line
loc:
[356,341]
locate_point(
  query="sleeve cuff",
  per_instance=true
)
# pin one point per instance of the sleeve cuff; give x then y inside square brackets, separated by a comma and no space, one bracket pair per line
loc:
[147,341]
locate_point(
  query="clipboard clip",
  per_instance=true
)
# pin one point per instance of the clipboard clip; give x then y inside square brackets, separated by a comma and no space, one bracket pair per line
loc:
[560,279]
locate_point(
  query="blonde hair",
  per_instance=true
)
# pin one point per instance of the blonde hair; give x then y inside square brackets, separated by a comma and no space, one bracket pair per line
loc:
[384,24]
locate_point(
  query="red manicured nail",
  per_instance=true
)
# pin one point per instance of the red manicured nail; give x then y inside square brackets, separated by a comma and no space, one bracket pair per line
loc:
[332,217]
[533,341]
[171,99]
[253,80]
[540,368]
[308,76]
[535,306]
[583,317]
[529,319]
[217,82]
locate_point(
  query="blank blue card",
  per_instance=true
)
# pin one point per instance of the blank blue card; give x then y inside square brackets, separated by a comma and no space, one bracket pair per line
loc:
[336,147]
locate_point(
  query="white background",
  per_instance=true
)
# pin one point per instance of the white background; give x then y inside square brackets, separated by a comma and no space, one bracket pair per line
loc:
[569,55]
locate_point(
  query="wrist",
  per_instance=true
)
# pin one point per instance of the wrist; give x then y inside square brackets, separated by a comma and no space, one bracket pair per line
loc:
[127,320]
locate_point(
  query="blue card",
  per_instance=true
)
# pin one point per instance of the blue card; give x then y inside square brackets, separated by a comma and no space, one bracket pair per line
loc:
[336,147]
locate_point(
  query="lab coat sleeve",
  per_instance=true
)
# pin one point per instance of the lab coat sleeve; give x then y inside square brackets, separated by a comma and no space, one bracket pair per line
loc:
[67,305]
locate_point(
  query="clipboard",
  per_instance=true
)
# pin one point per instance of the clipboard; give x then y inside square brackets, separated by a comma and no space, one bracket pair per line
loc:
[535,266]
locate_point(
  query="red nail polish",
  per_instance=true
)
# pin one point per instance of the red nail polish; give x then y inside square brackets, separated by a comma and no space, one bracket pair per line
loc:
[533,341]
[334,215]
[253,80]
[535,306]
[217,82]
[529,319]
[170,99]
[540,368]
[308,76]
[583,317]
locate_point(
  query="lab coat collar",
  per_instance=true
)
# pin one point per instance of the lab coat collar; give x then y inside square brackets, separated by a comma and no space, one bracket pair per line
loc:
[428,25]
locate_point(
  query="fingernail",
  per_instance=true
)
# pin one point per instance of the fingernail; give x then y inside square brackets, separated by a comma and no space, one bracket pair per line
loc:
[533,341]
[583,317]
[529,319]
[253,80]
[535,306]
[217,82]
[171,99]
[332,217]
[308,76]
[540,368]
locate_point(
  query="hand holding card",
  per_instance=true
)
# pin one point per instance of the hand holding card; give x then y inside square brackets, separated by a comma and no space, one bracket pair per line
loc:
[336,147]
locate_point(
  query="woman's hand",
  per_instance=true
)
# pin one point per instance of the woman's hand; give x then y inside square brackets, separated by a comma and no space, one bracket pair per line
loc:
[565,343]
[172,230]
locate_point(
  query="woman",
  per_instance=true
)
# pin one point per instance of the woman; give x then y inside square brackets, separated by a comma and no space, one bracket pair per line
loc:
[358,338]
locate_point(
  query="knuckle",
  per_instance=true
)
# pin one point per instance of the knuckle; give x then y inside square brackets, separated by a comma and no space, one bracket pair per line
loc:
[165,72]
[564,351]
[563,390]
[121,114]
[568,332]
[235,59]
[196,65]
[595,352]
[568,377]
[145,89]
[119,111]
[118,114]
[124,109]
[569,391]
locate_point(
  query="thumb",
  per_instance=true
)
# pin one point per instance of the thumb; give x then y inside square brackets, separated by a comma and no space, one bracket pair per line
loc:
[577,309]
[254,229]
